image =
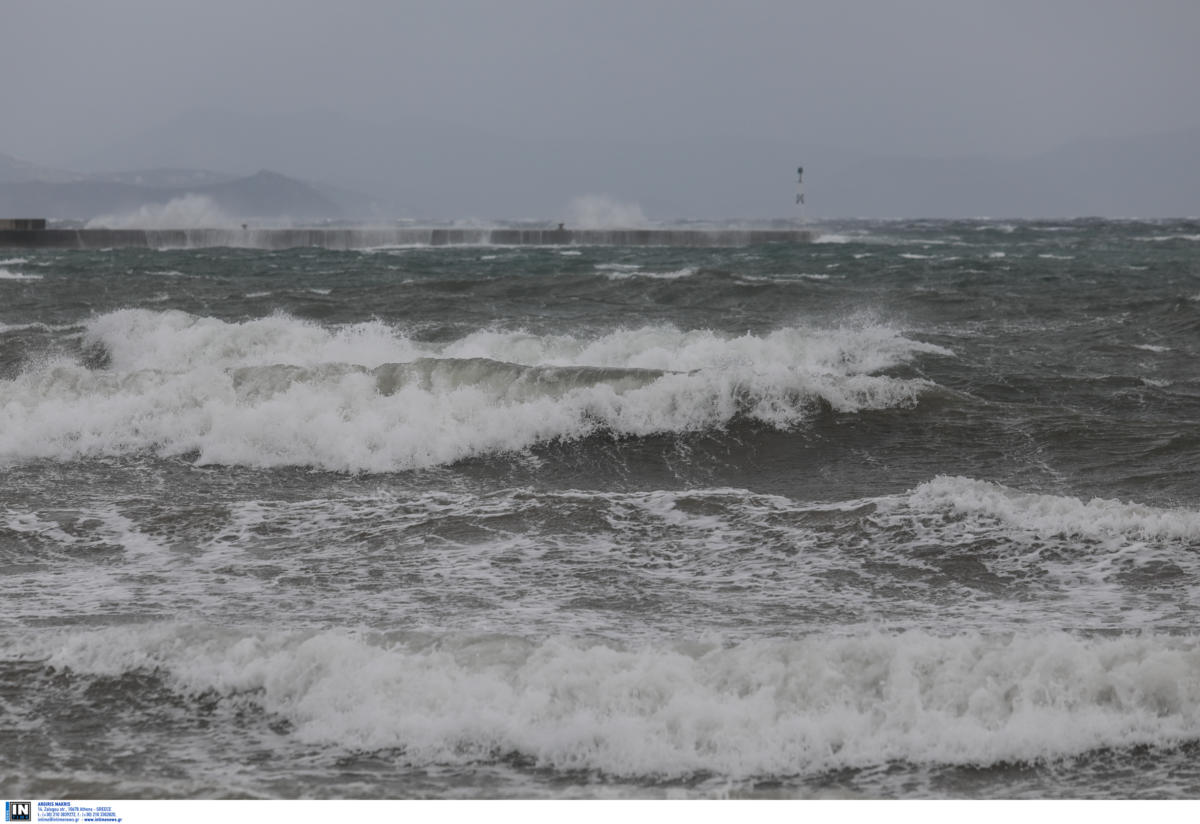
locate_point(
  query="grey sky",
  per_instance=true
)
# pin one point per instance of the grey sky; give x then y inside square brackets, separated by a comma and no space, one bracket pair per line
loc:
[925,77]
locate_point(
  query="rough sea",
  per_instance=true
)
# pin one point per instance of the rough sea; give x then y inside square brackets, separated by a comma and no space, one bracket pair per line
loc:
[911,511]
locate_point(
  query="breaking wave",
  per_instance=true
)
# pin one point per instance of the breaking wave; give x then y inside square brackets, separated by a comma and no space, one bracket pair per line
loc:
[365,397]
[8,274]
[1054,515]
[767,707]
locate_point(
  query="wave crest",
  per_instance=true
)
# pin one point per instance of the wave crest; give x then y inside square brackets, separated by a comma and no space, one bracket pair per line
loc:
[1054,515]
[279,391]
[755,709]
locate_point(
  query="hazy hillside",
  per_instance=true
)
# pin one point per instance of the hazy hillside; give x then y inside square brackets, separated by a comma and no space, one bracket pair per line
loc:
[270,194]
[421,168]
[425,169]
[166,178]
[262,195]
[13,170]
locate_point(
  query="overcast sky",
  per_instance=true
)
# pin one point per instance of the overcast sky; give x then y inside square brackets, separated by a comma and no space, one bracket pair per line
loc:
[924,77]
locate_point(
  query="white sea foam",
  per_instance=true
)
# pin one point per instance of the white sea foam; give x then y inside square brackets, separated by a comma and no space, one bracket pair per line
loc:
[104,526]
[783,278]
[188,212]
[1055,515]
[1077,565]
[625,274]
[44,327]
[172,386]
[13,261]
[670,710]
[6,274]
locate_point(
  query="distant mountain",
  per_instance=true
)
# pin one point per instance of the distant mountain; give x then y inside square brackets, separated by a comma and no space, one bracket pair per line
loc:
[419,168]
[166,178]
[423,169]
[356,205]
[268,194]
[13,170]
[262,195]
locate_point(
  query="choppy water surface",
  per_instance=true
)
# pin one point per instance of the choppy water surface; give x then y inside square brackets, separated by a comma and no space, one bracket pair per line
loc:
[909,512]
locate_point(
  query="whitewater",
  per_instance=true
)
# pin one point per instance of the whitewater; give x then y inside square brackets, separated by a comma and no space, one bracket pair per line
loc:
[911,512]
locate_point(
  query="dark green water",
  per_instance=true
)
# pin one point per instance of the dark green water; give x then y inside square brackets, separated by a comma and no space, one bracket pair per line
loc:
[909,512]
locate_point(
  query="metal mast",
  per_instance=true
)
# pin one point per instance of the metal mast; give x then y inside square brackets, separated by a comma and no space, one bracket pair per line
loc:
[800,191]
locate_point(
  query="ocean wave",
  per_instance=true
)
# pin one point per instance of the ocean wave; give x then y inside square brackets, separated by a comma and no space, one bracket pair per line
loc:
[1054,515]
[8,274]
[1096,563]
[505,381]
[669,710]
[41,327]
[846,237]
[613,273]
[280,391]
[930,554]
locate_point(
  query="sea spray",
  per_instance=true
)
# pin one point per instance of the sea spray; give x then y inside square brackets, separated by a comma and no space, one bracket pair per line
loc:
[190,211]
[670,711]
[280,391]
[604,212]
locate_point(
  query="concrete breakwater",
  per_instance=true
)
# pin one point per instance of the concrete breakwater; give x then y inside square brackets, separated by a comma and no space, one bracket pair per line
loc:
[365,238]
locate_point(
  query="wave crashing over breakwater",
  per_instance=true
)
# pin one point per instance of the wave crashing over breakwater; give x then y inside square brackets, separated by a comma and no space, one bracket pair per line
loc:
[156,232]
